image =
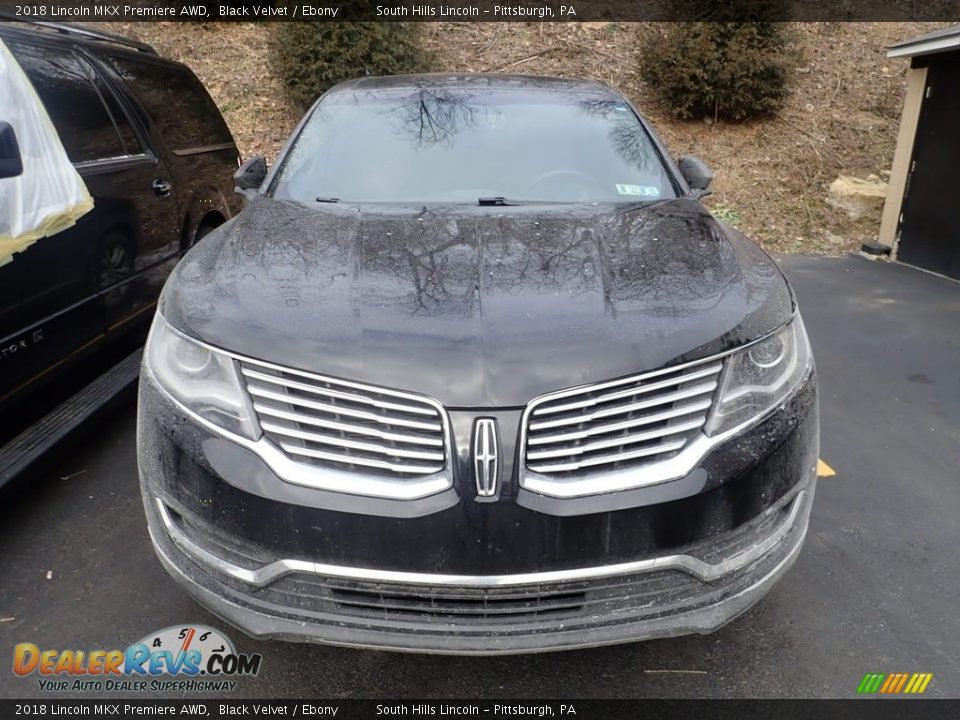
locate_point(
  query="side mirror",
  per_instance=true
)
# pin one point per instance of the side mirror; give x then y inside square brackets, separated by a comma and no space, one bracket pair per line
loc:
[698,176]
[11,164]
[248,179]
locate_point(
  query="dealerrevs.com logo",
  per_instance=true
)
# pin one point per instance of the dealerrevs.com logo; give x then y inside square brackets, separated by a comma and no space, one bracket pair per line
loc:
[178,658]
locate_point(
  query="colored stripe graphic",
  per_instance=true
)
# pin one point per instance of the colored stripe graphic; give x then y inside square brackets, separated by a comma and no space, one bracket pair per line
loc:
[890,681]
[894,683]
[871,683]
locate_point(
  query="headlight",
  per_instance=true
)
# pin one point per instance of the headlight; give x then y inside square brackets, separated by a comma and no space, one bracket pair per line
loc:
[759,377]
[204,381]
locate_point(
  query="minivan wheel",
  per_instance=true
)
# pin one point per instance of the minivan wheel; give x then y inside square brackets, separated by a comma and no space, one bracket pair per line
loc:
[201,233]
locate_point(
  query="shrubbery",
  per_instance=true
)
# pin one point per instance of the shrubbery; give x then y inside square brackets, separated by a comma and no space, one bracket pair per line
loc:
[312,57]
[735,70]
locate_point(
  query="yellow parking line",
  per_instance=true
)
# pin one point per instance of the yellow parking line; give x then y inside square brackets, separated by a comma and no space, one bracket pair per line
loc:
[824,470]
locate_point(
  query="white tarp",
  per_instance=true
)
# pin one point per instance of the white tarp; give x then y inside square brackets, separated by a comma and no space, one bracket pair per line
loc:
[50,195]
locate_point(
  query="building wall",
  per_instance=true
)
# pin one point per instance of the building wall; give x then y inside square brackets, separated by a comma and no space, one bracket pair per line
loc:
[900,172]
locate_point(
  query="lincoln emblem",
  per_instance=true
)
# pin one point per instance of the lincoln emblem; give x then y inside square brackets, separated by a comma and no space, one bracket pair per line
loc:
[485,456]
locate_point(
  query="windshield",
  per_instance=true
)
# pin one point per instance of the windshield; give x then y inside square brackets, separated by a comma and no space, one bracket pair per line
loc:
[450,145]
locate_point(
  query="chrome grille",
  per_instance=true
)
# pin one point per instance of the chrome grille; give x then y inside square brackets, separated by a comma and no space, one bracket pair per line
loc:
[633,422]
[321,421]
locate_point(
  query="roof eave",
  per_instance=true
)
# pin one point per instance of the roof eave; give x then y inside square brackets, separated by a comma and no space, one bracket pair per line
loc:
[931,46]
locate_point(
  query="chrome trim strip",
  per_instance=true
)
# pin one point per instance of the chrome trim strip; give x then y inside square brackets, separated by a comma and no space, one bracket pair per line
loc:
[331,392]
[595,387]
[628,478]
[201,149]
[618,441]
[321,378]
[352,444]
[359,460]
[346,427]
[705,571]
[689,409]
[609,459]
[118,162]
[630,392]
[615,410]
[341,410]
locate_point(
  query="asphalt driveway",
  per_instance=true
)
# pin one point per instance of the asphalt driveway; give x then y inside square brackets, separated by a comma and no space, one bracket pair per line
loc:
[875,590]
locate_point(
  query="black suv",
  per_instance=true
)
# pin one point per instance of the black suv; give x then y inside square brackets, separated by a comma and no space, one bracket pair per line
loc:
[476,372]
[157,157]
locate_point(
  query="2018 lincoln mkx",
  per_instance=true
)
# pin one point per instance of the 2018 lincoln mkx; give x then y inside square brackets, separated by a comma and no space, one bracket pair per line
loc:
[475,372]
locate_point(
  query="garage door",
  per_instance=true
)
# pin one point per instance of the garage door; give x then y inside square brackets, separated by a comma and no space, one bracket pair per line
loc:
[930,231]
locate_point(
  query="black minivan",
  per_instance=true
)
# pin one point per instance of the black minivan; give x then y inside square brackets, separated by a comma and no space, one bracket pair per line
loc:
[157,157]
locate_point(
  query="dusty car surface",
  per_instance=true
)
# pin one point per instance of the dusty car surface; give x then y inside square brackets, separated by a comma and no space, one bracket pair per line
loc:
[476,372]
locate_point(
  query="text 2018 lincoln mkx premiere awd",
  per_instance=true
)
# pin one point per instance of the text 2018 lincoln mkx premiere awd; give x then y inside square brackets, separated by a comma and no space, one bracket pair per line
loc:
[475,372]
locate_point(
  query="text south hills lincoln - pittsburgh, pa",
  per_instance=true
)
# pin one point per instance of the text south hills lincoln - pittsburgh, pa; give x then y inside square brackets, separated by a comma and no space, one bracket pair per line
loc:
[515,12]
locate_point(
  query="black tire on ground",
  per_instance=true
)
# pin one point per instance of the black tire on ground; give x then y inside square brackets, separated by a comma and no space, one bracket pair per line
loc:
[202,231]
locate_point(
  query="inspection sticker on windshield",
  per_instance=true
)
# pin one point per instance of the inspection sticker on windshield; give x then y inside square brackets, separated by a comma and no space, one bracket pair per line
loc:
[641,190]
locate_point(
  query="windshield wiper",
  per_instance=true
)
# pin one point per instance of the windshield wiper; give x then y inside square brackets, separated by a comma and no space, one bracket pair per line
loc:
[328,199]
[498,201]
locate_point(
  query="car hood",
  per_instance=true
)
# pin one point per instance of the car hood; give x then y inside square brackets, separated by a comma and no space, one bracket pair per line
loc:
[476,306]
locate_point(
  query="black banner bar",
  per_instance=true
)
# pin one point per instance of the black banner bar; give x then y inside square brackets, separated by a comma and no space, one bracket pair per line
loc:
[877,709]
[478,10]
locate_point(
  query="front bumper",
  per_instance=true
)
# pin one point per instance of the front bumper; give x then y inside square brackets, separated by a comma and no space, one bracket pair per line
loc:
[477,578]
[663,598]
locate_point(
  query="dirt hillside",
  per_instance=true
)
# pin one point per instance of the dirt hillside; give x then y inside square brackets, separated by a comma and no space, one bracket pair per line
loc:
[772,175]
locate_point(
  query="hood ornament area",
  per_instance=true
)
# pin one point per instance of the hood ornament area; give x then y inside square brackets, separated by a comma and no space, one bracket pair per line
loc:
[486,457]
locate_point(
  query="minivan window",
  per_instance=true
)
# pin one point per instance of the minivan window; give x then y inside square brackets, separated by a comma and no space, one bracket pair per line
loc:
[176,101]
[62,81]
[128,135]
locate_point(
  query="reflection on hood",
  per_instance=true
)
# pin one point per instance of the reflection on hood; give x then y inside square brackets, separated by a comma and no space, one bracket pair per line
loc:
[476,306]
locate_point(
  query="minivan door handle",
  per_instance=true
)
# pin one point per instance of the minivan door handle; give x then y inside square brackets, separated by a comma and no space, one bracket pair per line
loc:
[162,187]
